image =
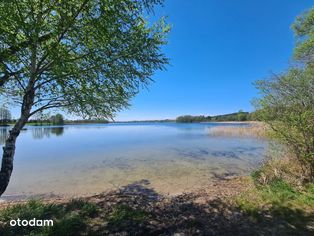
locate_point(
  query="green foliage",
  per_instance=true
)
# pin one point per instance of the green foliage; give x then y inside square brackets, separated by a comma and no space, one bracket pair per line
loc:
[40,118]
[86,208]
[279,200]
[278,192]
[88,121]
[124,213]
[69,225]
[287,106]
[304,31]
[238,116]
[287,100]
[242,116]
[57,119]
[33,209]
[85,57]
[190,119]
[69,219]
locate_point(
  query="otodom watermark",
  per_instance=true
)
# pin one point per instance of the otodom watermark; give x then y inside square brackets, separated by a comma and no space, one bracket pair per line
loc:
[33,222]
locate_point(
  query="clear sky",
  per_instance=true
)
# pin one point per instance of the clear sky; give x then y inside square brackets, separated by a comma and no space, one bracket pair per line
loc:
[217,49]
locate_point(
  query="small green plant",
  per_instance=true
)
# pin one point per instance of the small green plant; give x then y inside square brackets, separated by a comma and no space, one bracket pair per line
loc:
[70,225]
[278,192]
[33,209]
[279,199]
[84,207]
[122,213]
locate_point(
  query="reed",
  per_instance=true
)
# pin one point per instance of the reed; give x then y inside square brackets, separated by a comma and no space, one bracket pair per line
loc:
[253,129]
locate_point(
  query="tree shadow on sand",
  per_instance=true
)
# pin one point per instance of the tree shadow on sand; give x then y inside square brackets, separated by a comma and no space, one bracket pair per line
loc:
[137,209]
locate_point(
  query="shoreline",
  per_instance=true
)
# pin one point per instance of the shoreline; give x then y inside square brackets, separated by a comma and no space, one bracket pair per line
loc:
[18,198]
[136,209]
[222,185]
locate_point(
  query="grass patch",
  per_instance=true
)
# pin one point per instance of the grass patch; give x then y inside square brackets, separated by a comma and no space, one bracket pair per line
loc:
[278,193]
[86,208]
[123,215]
[75,217]
[70,225]
[33,209]
[124,212]
[279,201]
[71,218]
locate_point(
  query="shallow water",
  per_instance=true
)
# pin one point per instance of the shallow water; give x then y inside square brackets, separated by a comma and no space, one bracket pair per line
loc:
[87,159]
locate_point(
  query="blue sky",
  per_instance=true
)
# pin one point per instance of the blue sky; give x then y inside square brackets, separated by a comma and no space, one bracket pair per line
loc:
[217,49]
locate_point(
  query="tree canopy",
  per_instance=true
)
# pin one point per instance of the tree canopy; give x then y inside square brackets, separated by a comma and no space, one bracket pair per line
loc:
[57,119]
[86,57]
[304,32]
[238,116]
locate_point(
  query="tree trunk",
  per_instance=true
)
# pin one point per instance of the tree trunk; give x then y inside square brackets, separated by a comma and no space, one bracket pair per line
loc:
[7,159]
[9,147]
[28,101]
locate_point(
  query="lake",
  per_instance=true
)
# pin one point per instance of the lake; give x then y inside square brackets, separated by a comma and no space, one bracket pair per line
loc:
[74,160]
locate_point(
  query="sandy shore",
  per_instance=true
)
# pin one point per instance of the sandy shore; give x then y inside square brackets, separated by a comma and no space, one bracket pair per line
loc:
[224,187]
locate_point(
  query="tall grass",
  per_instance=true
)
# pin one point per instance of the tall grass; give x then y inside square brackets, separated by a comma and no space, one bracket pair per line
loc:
[254,129]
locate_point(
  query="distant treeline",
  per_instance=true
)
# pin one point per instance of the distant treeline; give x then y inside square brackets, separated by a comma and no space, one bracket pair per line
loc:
[143,121]
[190,119]
[56,120]
[96,121]
[237,116]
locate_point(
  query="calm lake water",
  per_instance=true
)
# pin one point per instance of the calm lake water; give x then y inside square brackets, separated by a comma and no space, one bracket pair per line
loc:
[87,159]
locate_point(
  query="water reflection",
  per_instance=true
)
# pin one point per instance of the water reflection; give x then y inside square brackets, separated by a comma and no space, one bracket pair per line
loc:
[37,133]
[4,133]
[42,132]
[58,131]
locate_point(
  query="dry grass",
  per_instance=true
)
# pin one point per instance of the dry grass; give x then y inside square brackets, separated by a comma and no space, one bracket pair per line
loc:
[254,129]
[285,167]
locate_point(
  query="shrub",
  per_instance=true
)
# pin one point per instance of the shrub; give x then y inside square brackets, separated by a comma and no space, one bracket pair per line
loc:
[287,101]
[287,106]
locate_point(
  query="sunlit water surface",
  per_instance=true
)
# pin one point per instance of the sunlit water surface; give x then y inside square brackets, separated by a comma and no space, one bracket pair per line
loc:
[86,159]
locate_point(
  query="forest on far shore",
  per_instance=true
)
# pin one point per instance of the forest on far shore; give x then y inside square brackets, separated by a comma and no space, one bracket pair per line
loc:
[237,116]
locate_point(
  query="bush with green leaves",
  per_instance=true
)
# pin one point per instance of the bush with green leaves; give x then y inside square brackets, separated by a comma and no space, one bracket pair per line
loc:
[287,99]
